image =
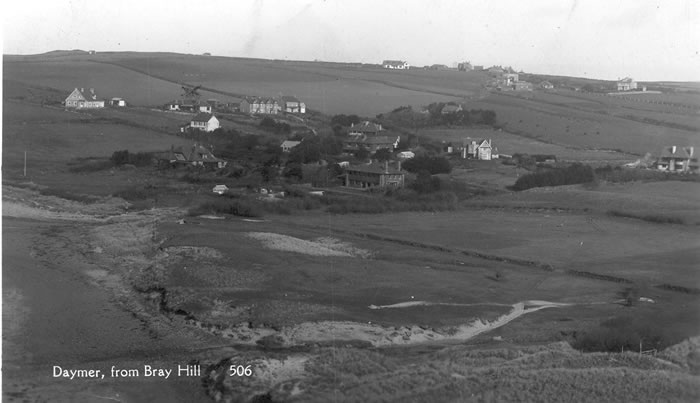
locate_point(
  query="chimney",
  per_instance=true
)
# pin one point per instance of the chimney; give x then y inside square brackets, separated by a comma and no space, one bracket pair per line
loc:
[690,151]
[92,91]
[398,165]
[82,89]
[673,149]
[386,167]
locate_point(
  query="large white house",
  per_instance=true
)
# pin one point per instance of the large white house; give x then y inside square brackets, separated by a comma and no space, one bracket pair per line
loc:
[80,99]
[205,122]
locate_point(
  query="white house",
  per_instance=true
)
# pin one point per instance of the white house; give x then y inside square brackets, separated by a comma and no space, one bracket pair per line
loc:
[80,99]
[626,84]
[395,64]
[220,189]
[287,145]
[291,104]
[205,122]
[481,150]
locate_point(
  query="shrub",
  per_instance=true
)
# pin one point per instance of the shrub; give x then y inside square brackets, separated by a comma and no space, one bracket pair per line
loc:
[573,174]
[123,157]
[434,165]
[655,218]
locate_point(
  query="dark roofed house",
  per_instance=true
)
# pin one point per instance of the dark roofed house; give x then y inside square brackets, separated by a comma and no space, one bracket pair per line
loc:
[678,159]
[364,128]
[546,85]
[197,156]
[374,175]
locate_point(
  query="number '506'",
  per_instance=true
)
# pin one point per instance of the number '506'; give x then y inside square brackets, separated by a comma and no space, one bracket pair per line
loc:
[240,370]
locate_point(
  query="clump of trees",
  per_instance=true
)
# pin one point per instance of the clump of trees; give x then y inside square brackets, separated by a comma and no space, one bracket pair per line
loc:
[124,157]
[433,165]
[573,174]
[460,118]
[274,126]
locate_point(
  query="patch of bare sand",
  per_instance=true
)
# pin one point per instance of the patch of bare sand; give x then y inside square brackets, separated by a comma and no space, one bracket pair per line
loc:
[324,246]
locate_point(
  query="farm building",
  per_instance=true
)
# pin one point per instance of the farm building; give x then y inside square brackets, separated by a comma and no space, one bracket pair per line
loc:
[182,106]
[678,159]
[626,84]
[481,150]
[266,106]
[395,64]
[451,109]
[80,99]
[374,175]
[364,128]
[204,122]
[197,156]
[509,78]
[287,145]
[546,85]
[292,105]
[117,102]
[371,143]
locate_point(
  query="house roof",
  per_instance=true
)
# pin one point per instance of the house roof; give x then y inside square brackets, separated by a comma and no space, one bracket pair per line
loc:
[373,168]
[202,117]
[451,108]
[394,62]
[85,95]
[290,143]
[380,140]
[626,80]
[680,152]
[201,153]
[366,127]
[289,98]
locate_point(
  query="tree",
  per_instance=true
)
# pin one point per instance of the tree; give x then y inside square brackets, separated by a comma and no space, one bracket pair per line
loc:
[362,153]
[383,154]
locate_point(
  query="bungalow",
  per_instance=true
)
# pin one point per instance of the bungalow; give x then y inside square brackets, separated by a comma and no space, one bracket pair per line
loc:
[260,105]
[204,122]
[197,156]
[364,128]
[80,99]
[374,175]
[546,85]
[481,150]
[287,145]
[678,159]
[395,64]
[292,105]
[626,84]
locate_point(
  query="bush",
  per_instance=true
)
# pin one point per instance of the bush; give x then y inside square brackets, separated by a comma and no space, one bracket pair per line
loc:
[574,174]
[433,165]
[123,157]
[655,218]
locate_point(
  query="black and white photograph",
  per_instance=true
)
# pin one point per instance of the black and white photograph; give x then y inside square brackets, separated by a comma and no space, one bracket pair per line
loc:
[259,201]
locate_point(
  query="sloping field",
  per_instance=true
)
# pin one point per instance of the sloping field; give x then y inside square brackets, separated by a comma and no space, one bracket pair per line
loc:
[509,143]
[582,129]
[108,80]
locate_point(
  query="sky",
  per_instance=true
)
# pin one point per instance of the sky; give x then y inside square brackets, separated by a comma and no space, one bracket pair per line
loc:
[605,39]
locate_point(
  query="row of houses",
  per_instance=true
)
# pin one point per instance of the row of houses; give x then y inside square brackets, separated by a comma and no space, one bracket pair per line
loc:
[195,156]
[271,106]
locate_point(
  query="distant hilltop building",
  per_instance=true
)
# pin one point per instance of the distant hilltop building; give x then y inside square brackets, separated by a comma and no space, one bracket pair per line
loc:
[80,99]
[395,64]
[626,84]
[465,66]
